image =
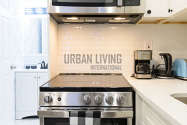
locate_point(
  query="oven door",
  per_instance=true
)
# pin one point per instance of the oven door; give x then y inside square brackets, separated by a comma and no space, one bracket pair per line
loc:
[61,117]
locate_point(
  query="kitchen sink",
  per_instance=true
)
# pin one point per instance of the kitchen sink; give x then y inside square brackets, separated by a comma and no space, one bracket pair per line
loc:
[182,97]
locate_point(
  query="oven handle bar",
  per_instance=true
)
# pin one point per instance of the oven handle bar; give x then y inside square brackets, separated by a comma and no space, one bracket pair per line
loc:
[53,114]
[104,114]
[116,114]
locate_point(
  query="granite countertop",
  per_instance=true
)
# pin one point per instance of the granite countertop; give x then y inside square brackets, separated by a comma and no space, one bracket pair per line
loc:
[157,92]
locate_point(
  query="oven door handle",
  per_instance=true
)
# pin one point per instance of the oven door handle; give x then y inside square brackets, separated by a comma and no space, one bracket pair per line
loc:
[53,113]
[104,114]
[117,114]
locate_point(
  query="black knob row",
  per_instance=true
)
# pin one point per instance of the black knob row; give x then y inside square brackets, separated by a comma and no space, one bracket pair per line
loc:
[98,99]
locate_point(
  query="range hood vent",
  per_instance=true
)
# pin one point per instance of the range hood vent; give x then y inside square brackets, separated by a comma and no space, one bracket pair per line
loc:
[99,19]
[76,11]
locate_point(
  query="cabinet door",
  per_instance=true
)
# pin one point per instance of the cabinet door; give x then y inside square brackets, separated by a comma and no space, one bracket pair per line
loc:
[157,8]
[26,95]
[139,110]
[152,117]
[147,114]
[177,5]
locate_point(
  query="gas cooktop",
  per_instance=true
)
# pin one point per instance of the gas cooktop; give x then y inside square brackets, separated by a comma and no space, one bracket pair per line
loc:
[87,82]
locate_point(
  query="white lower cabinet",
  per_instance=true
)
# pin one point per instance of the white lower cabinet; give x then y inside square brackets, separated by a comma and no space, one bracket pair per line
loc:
[139,110]
[27,93]
[146,114]
[151,117]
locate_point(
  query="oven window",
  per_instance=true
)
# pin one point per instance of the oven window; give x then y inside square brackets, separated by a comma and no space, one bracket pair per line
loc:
[56,121]
[85,3]
[113,121]
[65,121]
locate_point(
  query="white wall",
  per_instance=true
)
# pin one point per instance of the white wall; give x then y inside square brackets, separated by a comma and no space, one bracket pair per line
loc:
[53,47]
[11,53]
[124,39]
[35,3]
[10,38]
[11,48]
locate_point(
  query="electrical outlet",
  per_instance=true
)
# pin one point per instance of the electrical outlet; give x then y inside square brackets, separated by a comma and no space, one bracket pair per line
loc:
[148,45]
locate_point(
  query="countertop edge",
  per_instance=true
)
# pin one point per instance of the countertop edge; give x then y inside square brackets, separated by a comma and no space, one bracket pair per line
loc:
[159,110]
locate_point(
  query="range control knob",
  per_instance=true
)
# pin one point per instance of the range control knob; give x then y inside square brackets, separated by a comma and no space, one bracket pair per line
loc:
[59,99]
[98,99]
[121,99]
[109,100]
[48,99]
[87,99]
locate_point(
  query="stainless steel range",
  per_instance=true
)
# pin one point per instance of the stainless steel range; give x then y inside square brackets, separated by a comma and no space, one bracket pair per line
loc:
[87,99]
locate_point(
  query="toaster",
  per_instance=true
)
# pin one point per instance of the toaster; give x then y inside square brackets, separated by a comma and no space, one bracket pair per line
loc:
[180,68]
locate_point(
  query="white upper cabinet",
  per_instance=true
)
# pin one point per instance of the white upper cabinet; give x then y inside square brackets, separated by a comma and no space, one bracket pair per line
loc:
[156,8]
[163,8]
[177,5]
[165,11]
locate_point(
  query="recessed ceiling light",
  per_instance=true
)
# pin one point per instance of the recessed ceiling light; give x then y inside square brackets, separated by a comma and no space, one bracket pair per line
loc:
[120,18]
[72,18]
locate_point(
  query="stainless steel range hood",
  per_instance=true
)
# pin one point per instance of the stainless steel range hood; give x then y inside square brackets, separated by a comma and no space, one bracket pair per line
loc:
[114,14]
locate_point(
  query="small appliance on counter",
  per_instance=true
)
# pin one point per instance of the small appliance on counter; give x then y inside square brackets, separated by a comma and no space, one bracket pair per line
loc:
[43,65]
[180,69]
[30,67]
[142,59]
[164,70]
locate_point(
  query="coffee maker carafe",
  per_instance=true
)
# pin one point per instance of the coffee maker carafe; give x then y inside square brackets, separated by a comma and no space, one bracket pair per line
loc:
[142,59]
[164,70]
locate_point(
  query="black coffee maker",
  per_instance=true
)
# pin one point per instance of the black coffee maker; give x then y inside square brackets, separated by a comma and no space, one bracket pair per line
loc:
[165,72]
[142,61]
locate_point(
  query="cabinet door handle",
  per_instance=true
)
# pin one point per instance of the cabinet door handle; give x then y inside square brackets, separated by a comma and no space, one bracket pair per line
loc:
[149,11]
[170,10]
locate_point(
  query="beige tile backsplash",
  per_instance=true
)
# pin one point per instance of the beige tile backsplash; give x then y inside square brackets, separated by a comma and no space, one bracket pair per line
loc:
[124,39]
